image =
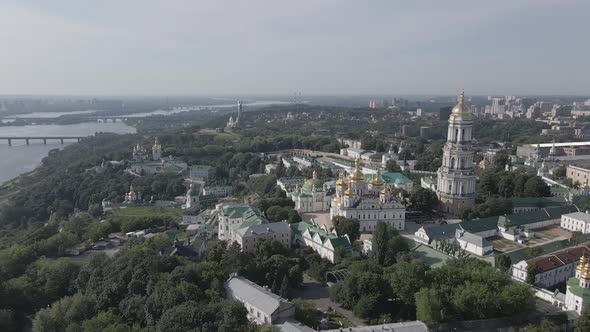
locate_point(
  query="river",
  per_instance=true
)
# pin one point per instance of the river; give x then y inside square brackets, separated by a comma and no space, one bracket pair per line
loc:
[175,110]
[20,158]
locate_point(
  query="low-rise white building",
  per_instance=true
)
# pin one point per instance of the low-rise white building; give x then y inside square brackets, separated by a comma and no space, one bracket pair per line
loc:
[576,222]
[262,305]
[303,160]
[352,152]
[518,226]
[217,191]
[233,217]
[428,235]
[268,168]
[201,172]
[327,244]
[472,243]
[248,236]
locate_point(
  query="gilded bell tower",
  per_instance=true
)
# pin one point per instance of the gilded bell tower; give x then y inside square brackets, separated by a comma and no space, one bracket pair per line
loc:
[456,176]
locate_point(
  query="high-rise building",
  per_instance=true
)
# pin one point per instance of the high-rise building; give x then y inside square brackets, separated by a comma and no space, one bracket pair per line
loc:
[498,106]
[235,123]
[456,176]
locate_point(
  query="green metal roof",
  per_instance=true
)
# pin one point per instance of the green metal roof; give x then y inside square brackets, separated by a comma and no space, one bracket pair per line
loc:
[390,178]
[574,287]
[200,167]
[480,225]
[396,178]
[556,212]
[340,242]
[538,201]
[247,212]
[530,217]
[336,241]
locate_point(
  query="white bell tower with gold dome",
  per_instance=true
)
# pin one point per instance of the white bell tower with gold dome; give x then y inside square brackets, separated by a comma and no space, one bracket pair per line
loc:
[156,150]
[456,176]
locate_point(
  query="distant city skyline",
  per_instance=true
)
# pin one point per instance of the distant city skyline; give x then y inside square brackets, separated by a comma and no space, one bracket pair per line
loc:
[269,47]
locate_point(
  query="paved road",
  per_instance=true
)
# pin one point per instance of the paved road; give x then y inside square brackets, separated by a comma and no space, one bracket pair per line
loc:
[318,294]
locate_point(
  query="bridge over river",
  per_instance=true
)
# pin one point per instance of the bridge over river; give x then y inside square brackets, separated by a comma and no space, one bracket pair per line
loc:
[28,139]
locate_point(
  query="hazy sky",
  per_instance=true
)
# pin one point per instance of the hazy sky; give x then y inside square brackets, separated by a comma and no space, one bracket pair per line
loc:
[243,47]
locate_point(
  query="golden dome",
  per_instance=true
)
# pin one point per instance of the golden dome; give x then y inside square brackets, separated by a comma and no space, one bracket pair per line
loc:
[357,175]
[349,192]
[581,264]
[585,272]
[385,191]
[341,180]
[376,180]
[156,144]
[461,109]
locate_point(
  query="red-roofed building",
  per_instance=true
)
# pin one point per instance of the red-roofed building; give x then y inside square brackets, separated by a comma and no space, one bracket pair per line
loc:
[553,268]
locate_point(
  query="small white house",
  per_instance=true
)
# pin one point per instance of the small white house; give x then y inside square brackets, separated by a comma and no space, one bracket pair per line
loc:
[472,243]
[263,306]
[576,222]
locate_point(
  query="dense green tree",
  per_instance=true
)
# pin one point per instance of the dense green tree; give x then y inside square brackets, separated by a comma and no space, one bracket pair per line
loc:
[307,314]
[349,226]
[534,251]
[264,203]
[583,323]
[392,166]
[70,310]
[387,244]
[380,239]
[365,290]
[8,321]
[47,281]
[107,321]
[493,206]
[503,262]
[543,326]
[95,210]
[406,279]
[277,213]
[536,187]
[268,247]
[475,301]
[424,200]
[429,307]
[222,316]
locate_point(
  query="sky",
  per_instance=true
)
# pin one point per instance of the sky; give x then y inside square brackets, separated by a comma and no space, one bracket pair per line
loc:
[336,47]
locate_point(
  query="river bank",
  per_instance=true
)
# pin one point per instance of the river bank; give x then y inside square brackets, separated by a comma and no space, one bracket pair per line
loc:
[22,158]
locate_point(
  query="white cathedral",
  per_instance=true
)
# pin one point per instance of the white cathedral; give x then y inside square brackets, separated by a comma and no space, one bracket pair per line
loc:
[312,196]
[140,153]
[370,202]
[455,185]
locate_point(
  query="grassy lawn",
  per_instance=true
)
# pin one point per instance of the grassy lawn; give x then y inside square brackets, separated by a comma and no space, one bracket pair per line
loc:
[148,211]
